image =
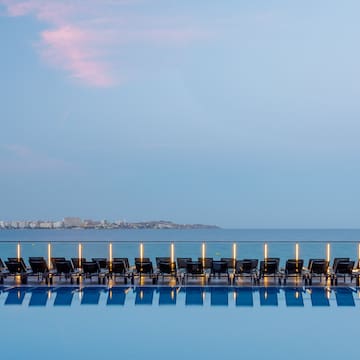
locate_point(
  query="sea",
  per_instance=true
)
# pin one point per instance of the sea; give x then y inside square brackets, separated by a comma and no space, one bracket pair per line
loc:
[216,243]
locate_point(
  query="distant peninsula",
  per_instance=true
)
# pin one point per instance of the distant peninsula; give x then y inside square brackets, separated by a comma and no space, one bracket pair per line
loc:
[78,223]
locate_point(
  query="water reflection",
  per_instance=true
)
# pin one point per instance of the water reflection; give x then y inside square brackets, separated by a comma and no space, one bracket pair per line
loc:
[205,296]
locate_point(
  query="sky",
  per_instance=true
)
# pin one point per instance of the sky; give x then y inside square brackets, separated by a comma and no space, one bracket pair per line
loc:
[243,114]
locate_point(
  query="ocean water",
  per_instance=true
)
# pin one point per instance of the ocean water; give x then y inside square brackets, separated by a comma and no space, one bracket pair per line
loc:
[188,243]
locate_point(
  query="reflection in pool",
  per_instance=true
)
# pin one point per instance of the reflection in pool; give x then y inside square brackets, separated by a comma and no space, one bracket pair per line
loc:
[206,296]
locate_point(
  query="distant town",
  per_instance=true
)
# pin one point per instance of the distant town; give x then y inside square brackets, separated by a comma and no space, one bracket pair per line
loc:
[78,223]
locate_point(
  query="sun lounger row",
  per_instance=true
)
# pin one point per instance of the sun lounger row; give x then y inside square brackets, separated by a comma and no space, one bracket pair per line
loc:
[182,271]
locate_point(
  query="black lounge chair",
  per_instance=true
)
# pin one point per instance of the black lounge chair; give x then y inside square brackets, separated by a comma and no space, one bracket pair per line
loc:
[293,268]
[343,269]
[194,269]
[162,259]
[118,269]
[77,262]
[18,259]
[40,269]
[92,269]
[246,268]
[219,270]
[102,262]
[206,262]
[125,260]
[270,267]
[2,268]
[65,268]
[144,267]
[181,267]
[318,268]
[166,269]
[17,268]
[231,263]
[55,259]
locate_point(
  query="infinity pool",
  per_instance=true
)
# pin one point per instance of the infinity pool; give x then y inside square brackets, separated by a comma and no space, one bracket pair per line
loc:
[178,323]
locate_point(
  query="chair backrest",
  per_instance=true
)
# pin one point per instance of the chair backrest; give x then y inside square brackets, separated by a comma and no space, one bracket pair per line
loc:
[125,260]
[118,267]
[18,259]
[206,262]
[337,260]
[64,267]
[144,259]
[162,259]
[15,267]
[319,267]
[167,267]
[2,265]
[181,262]
[38,265]
[90,267]
[55,259]
[294,266]
[230,261]
[219,267]
[311,260]
[269,267]
[78,262]
[244,267]
[344,267]
[102,262]
[144,267]
[254,263]
[194,267]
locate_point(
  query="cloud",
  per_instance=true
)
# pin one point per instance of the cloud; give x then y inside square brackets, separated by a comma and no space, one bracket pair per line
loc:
[83,37]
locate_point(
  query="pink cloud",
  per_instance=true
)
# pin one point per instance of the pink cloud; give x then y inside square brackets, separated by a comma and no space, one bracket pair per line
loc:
[72,49]
[82,35]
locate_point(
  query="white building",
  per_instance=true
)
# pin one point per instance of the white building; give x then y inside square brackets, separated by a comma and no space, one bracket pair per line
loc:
[70,222]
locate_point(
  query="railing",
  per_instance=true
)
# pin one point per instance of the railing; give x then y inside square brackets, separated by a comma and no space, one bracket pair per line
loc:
[215,249]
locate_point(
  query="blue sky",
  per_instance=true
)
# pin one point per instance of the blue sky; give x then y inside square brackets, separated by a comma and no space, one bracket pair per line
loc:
[236,113]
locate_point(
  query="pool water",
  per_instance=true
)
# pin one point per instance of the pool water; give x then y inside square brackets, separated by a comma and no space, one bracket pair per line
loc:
[178,322]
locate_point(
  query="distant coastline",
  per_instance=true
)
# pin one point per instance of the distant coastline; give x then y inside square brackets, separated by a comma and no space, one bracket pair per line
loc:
[78,223]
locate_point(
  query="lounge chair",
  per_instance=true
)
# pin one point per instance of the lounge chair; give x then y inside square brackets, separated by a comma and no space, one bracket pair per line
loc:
[55,259]
[166,269]
[118,269]
[342,269]
[144,267]
[270,267]
[246,268]
[181,265]
[65,268]
[194,269]
[293,268]
[219,270]
[92,269]
[102,262]
[17,268]
[231,263]
[77,262]
[125,260]
[317,268]
[40,269]
[206,263]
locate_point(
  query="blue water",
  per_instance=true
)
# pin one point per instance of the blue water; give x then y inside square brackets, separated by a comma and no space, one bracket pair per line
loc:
[154,323]
[98,323]
[219,243]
